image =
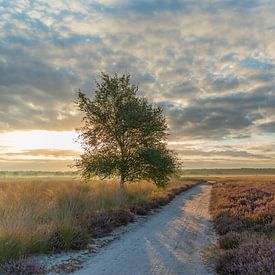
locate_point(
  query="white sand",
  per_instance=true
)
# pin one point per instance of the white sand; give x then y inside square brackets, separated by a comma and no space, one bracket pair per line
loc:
[168,242]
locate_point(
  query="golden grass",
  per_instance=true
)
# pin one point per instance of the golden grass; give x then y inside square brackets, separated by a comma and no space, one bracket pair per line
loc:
[253,179]
[32,210]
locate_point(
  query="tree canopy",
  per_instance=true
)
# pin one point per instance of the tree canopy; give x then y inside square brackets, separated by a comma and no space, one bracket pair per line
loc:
[123,134]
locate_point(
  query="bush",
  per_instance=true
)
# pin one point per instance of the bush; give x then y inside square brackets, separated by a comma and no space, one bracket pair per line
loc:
[23,266]
[254,258]
[230,240]
[67,238]
[225,223]
[234,239]
[143,208]
[103,222]
[244,217]
[121,217]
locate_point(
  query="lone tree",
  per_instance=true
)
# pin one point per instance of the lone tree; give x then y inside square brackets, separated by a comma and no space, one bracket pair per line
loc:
[123,134]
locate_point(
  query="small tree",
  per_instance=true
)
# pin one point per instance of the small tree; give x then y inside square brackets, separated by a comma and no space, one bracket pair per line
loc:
[123,134]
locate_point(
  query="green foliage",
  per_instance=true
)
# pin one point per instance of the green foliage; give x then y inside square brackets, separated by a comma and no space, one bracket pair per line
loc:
[10,247]
[14,246]
[123,134]
[68,237]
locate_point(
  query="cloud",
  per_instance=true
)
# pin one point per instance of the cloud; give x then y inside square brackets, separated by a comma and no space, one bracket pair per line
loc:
[221,83]
[210,66]
[263,77]
[225,153]
[49,153]
[35,165]
[257,64]
[220,116]
[268,127]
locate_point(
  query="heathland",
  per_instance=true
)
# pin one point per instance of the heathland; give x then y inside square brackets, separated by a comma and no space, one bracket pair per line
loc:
[53,214]
[243,209]
[45,214]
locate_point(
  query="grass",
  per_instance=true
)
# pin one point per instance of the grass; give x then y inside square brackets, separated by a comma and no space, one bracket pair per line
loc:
[244,216]
[228,172]
[55,214]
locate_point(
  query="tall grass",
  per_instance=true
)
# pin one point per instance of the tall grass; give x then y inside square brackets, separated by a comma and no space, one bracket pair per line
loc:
[42,215]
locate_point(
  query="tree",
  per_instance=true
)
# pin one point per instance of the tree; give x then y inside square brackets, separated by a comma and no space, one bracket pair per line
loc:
[122,134]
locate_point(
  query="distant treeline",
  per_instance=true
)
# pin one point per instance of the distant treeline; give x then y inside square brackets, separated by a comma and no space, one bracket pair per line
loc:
[37,173]
[184,172]
[240,171]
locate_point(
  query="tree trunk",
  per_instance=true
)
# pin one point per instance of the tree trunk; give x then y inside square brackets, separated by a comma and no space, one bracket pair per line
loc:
[122,186]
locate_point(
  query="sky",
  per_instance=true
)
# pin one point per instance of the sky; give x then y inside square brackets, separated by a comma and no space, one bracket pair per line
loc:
[209,63]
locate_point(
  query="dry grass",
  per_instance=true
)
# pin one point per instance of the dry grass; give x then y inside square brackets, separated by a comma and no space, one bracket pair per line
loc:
[42,215]
[244,215]
[253,179]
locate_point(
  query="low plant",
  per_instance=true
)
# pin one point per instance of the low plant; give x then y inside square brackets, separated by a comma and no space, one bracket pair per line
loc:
[22,266]
[55,214]
[257,257]
[244,216]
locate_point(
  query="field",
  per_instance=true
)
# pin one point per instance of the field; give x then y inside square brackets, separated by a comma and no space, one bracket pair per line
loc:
[41,215]
[183,172]
[228,172]
[243,208]
[54,213]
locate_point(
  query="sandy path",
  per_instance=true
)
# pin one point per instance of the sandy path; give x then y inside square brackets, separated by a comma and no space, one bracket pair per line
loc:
[169,242]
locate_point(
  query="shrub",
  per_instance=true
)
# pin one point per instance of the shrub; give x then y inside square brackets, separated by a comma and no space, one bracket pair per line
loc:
[244,217]
[23,266]
[67,238]
[234,239]
[254,258]
[230,240]
[225,223]
[143,208]
[121,217]
[103,222]
[99,224]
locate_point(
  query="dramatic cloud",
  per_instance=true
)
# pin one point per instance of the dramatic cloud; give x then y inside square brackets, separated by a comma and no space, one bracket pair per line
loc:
[46,153]
[210,64]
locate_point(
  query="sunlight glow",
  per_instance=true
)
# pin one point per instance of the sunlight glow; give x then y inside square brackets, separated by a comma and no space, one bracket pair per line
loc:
[28,140]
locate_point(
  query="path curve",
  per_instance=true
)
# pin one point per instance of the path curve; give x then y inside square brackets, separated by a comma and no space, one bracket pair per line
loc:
[169,242]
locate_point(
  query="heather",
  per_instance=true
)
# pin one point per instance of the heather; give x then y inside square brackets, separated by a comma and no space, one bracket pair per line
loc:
[22,266]
[244,216]
[62,214]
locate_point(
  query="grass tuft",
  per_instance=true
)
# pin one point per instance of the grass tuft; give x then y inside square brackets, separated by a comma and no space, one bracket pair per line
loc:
[55,214]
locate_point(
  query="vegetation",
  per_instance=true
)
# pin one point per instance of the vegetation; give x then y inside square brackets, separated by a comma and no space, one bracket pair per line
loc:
[244,216]
[123,134]
[28,174]
[22,266]
[49,215]
[183,172]
[236,171]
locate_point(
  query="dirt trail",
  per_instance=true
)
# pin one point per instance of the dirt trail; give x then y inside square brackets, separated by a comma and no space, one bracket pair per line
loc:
[169,242]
